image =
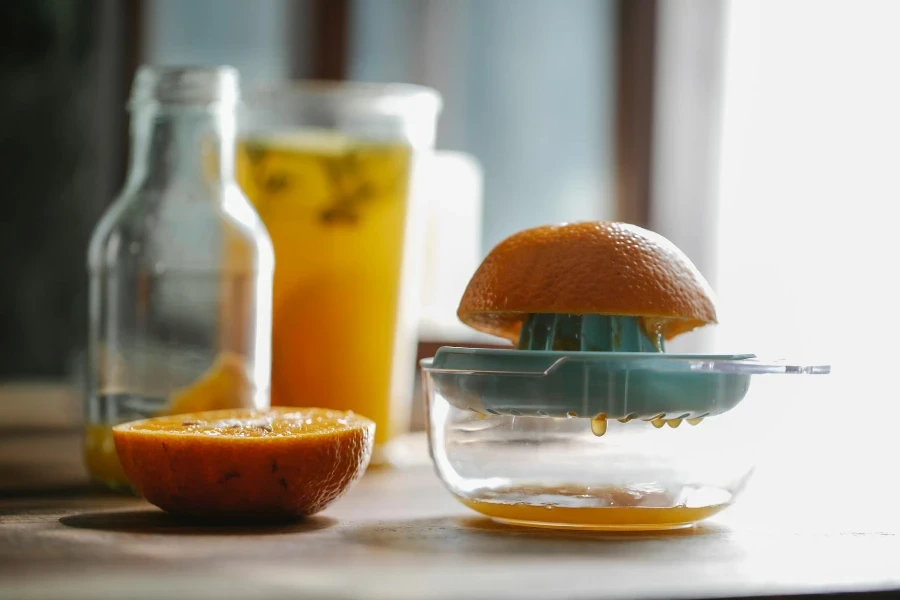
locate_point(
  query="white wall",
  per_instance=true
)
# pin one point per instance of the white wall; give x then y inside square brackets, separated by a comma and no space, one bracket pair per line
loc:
[808,255]
[687,137]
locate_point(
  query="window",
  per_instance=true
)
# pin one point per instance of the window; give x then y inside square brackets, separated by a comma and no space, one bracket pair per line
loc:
[528,88]
[250,36]
[806,226]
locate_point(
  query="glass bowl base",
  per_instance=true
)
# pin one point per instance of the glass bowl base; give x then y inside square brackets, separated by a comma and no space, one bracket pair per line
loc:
[635,527]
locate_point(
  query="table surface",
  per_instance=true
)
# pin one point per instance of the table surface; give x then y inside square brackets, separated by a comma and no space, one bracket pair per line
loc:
[399,534]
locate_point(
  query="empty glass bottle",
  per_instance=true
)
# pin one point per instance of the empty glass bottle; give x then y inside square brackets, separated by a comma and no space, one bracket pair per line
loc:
[180,269]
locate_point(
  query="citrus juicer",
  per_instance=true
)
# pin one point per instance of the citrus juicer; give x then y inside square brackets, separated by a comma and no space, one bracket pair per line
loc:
[598,367]
[588,422]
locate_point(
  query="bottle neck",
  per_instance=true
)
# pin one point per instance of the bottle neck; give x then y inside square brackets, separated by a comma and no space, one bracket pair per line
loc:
[181,146]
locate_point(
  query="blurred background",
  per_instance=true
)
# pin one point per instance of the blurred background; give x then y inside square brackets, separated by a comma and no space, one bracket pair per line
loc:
[761,137]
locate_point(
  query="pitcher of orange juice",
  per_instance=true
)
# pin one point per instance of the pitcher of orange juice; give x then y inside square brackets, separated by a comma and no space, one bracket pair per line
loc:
[331,170]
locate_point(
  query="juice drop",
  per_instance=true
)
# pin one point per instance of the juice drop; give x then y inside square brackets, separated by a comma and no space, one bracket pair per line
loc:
[598,425]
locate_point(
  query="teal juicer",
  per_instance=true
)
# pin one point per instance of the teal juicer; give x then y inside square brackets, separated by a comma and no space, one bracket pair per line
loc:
[588,423]
[609,369]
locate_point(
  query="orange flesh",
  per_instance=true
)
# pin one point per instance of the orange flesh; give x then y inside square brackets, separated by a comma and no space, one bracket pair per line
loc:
[262,425]
[614,509]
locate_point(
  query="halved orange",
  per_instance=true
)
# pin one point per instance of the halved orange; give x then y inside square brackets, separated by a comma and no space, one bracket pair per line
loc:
[587,268]
[247,465]
[225,384]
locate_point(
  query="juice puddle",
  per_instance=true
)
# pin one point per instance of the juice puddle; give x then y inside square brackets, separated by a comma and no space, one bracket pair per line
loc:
[602,509]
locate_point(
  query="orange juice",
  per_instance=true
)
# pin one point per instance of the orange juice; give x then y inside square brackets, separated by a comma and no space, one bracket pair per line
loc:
[336,212]
[100,458]
[614,509]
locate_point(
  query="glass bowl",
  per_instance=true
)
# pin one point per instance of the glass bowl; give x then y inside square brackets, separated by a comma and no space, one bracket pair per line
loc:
[509,441]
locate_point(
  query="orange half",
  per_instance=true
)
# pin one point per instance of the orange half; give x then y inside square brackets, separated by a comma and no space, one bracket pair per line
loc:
[242,464]
[587,268]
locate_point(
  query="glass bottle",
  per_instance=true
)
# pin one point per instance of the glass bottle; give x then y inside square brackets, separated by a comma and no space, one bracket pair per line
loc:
[180,266]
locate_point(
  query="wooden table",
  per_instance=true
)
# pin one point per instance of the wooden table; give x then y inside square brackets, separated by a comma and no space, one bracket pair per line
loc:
[398,534]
